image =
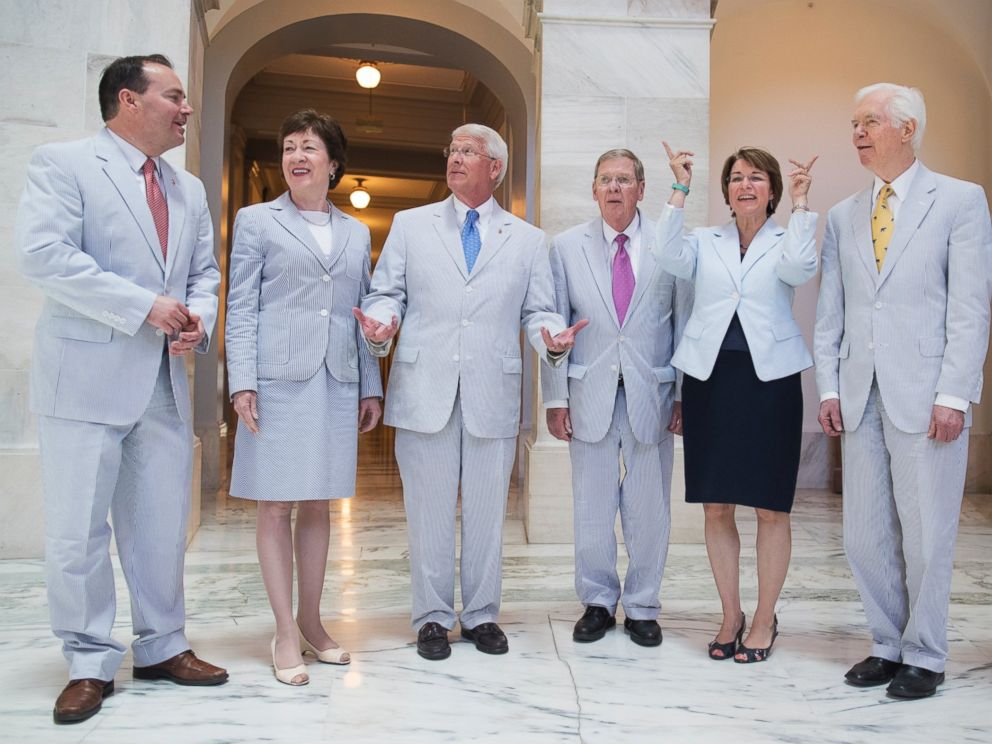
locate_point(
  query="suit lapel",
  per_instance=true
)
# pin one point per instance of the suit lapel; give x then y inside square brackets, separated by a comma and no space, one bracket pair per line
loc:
[768,237]
[597,255]
[447,230]
[496,237]
[861,223]
[728,247]
[647,268]
[340,235]
[125,181]
[177,212]
[912,211]
[286,214]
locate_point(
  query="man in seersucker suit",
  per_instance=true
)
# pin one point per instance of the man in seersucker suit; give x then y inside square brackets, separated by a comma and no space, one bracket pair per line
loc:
[121,244]
[463,276]
[617,399]
[902,328]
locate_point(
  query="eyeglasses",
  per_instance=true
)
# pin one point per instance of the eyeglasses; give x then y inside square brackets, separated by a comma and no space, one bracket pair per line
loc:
[754,178]
[624,182]
[467,153]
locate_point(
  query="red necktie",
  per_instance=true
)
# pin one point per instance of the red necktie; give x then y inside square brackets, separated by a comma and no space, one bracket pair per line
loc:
[157,205]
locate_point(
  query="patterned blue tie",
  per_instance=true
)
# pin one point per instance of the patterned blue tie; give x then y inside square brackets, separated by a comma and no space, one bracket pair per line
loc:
[471,241]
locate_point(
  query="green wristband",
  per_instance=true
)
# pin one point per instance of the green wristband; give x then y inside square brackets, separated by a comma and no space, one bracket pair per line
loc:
[680,187]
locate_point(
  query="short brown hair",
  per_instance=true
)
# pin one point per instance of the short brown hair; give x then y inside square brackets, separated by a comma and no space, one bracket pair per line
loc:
[763,161]
[125,72]
[621,153]
[327,129]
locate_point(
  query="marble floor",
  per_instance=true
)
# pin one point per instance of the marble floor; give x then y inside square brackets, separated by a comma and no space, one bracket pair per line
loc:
[548,688]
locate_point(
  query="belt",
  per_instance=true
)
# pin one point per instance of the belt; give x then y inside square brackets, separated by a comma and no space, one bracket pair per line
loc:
[620,381]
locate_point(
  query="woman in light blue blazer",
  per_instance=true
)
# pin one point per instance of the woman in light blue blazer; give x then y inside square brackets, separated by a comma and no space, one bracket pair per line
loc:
[741,354]
[302,380]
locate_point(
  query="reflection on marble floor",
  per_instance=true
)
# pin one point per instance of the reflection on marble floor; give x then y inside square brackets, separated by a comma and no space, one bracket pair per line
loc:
[547,689]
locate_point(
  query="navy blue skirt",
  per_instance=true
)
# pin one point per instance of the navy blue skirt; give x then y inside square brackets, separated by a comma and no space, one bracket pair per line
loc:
[742,436]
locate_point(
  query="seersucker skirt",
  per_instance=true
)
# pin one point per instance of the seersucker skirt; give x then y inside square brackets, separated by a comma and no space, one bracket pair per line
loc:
[306,448]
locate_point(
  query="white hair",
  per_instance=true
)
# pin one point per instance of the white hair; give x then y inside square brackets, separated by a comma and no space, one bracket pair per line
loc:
[495,146]
[901,105]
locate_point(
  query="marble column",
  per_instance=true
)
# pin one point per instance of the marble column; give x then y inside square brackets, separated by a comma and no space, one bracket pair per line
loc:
[52,53]
[613,73]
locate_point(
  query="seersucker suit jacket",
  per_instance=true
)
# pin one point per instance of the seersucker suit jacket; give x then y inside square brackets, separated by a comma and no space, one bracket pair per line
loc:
[460,332]
[85,235]
[759,288]
[921,325]
[640,349]
[289,306]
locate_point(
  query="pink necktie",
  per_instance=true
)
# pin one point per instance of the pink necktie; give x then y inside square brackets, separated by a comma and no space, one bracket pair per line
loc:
[623,278]
[157,204]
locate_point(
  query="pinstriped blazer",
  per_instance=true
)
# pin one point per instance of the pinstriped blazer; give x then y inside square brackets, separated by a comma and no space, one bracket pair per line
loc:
[758,288]
[85,235]
[921,325]
[289,305]
[641,349]
[460,331]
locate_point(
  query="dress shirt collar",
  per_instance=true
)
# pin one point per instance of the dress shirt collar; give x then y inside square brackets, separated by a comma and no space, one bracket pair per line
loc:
[900,184]
[485,210]
[631,231]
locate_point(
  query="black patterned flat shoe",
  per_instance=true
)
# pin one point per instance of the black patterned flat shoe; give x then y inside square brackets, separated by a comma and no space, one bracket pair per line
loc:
[751,655]
[730,648]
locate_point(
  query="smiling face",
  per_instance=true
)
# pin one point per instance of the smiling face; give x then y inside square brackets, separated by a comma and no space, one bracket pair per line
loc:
[471,173]
[749,190]
[306,164]
[617,191]
[160,113]
[884,147]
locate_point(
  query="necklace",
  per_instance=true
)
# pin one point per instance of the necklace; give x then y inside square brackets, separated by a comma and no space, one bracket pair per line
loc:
[322,221]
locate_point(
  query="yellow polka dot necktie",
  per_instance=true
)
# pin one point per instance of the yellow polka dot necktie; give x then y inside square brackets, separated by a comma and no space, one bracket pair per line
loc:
[882,225]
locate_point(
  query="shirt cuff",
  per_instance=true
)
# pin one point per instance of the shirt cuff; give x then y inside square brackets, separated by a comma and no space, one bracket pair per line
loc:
[951,401]
[555,404]
[829,395]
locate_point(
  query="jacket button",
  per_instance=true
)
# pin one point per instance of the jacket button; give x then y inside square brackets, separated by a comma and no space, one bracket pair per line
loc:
[326,277]
[878,305]
[323,313]
[158,332]
[454,358]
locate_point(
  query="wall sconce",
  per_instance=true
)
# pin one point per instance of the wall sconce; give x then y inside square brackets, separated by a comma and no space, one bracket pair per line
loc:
[368,75]
[360,196]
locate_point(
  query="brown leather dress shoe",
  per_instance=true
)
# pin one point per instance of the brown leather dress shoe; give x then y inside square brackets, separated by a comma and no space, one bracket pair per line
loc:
[184,669]
[81,699]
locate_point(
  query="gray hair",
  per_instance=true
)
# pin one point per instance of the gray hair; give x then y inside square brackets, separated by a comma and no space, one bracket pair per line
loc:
[621,152]
[901,105]
[495,146]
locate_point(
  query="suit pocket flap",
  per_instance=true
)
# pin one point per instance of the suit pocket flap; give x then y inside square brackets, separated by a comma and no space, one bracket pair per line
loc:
[405,354]
[512,365]
[81,329]
[577,371]
[785,330]
[694,328]
[845,350]
[664,374]
[933,346]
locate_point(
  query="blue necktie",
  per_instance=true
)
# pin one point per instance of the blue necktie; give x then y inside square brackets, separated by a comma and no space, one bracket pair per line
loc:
[471,240]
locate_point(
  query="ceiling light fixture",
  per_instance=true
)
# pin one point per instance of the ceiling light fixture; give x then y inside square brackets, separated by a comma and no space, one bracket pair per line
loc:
[360,196]
[368,75]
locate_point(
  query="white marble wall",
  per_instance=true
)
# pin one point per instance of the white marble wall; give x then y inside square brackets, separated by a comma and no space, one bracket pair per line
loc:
[614,73]
[51,54]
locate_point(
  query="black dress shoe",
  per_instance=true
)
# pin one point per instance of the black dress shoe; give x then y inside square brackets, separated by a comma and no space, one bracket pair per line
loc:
[643,632]
[593,624]
[487,637]
[914,682]
[872,671]
[432,642]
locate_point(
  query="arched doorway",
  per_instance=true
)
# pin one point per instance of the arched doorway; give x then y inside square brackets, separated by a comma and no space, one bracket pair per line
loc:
[265,39]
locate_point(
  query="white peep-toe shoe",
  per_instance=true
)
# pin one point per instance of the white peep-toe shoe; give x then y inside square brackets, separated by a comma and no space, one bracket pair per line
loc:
[328,656]
[286,676]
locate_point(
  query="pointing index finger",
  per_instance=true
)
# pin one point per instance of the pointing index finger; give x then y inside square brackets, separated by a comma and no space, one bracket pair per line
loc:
[668,150]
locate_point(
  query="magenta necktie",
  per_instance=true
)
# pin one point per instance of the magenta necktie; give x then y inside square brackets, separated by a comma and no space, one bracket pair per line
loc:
[623,278]
[157,204]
